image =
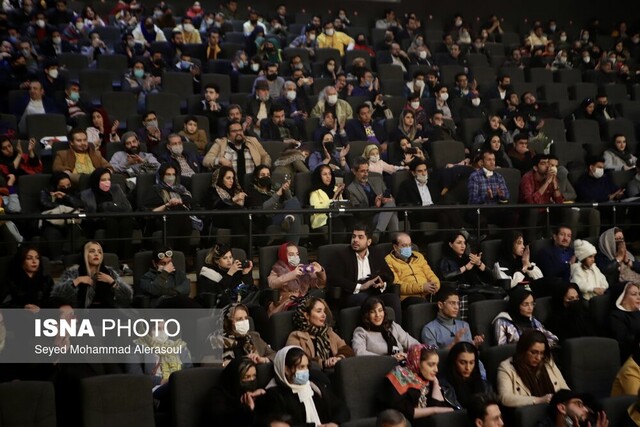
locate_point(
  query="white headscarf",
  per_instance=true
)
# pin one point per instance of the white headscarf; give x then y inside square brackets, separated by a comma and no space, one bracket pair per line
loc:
[304,392]
[621,297]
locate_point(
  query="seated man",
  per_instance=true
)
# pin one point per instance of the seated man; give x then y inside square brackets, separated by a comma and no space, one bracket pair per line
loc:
[596,186]
[555,260]
[80,159]
[242,153]
[73,106]
[166,286]
[131,161]
[328,101]
[259,104]
[150,132]
[487,187]
[277,129]
[210,107]
[34,103]
[446,330]
[235,114]
[365,129]
[361,271]
[411,272]
[484,411]
[174,152]
[371,192]
[329,124]
[330,38]
[569,408]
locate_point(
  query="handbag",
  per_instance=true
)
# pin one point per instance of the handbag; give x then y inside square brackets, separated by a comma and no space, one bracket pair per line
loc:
[60,209]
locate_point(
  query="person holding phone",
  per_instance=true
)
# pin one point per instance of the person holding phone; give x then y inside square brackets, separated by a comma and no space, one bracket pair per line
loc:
[221,273]
[164,284]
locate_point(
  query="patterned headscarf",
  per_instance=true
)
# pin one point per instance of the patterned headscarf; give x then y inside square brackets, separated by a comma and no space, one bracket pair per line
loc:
[404,378]
[319,334]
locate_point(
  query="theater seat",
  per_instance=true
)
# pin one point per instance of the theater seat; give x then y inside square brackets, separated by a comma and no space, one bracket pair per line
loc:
[416,316]
[598,356]
[27,404]
[529,416]
[190,392]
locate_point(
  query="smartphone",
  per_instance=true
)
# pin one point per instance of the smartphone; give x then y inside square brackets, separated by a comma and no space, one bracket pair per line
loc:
[386,194]
[339,180]
[246,264]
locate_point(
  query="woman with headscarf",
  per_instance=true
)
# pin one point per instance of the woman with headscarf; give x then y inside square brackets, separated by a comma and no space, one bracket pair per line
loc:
[15,162]
[104,197]
[406,128]
[92,283]
[618,156]
[529,377]
[493,126]
[625,319]
[324,192]
[515,263]
[233,400]
[614,260]
[295,392]
[169,195]
[238,341]
[326,153]
[414,389]
[59,197]
[494,143]
[222,276]
[379,335]
[585,111]
[314,334]
[293,279]
[508,326]
[462,372]
[28,286]
[569,317]
[226,193]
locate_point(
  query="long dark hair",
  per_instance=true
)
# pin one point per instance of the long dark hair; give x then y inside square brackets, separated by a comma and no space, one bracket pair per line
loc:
[536,379]
[464,388]
[385,328]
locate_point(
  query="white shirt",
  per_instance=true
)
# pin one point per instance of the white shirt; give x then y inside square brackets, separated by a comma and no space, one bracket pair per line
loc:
[425,195]
[364,269]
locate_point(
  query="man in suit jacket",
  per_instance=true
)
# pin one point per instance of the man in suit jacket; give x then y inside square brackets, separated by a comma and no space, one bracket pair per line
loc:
[259,104]
[370,192]
[80,159]
[361,271]
[34,103]
[276,128]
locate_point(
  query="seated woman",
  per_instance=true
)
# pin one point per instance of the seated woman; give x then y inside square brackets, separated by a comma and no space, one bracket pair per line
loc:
[529,377]
[585,273]
[569,317]
[92,284]
[515,263]
[102,131]
[462,372]
[329,155]
[625,319]
[224,277]
[263,195]
[378,335]
[406,128]
[614,260]
[294,280]
[508,326]
[495,144]
[226,193]
[103,197]
[315,336]
[60,198]
[28,286]
[165,285]
[468,271]
[377,165]
[169,195]
[308,401]
[324,192]
[233,400]
[238,341]
[618,156]
[414,389]
[401,152]
[493,126]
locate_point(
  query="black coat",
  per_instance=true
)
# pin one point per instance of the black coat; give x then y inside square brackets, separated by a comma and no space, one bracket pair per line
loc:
[343,269]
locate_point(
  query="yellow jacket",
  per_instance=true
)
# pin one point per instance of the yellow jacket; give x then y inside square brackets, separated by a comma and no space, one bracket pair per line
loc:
[627,381]
[411,275]
[338,40]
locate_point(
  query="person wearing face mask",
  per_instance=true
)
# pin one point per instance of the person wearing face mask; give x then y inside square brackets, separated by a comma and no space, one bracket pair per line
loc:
[585,273]
[569,316]
[147,32]
[273,80]
[164,284]
[293,279]
[295,103]
[596,186]
[330,38]
[298,392]
[328,101]
[175,152]
[376,164]
[473,107]
[103,196]
[75,107]
[233,401]
[250,25]
[361,44]
[55,45]
[307,41]
[417,85]
[411,272]
[189,33]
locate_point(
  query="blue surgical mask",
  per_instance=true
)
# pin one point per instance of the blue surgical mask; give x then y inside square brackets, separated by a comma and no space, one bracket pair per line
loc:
[301,377]
[405,252]
[138,73]
[74,96]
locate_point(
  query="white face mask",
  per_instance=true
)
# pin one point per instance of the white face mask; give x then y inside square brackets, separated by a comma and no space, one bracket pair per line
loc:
[329,32]
[242,326]
[598,173]
[40,23]
[415,105]
[56,40]
[444,96]
[291,95]
[332,99]
[312,37]
[475,102]
[255,67]
[54,73]
[293,260]
[374,159]
[418,84]
[586,59]
[188,28]
[422,54]
[563,39]
[422,179]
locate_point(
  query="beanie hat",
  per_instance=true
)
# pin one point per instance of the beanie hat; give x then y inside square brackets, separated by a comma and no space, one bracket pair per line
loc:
[583,249]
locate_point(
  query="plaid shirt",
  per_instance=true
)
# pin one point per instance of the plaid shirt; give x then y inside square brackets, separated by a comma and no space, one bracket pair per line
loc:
[231,155]
[479,185]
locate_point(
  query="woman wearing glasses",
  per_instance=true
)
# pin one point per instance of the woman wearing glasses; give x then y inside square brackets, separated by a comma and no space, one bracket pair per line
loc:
[509,325]
[529,377]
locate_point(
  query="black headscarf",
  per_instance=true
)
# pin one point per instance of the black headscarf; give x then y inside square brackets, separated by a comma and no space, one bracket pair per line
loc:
[516,296]
[317,184]
[94,184]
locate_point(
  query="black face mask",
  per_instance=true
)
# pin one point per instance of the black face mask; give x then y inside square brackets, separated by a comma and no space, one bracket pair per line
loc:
[132,150]
[329,146]
[251,385]
[264,181]
[272,77]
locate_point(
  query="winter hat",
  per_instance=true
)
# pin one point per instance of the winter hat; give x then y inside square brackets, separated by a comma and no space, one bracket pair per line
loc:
[583,249]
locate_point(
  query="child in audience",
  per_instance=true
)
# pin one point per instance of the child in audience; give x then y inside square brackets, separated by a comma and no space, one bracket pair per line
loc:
[586,273]
[194,134]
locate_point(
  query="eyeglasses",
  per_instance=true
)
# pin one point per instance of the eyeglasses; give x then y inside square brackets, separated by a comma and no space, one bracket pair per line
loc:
[528,304]
[163,255]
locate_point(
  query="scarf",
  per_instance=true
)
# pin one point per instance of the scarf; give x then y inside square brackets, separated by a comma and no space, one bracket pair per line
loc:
[149,36]
[625,156]
[319,334]
[407,377]
[385,331]
[607,244]
[241,168]
[535,379]
[282,255]
[225,194]
[304,392]
[516,296]
[317,184]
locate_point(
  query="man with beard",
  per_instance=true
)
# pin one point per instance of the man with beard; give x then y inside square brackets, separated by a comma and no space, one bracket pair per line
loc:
[80,159]
[238,151]
[131,161]
[569,409]
[259,104]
